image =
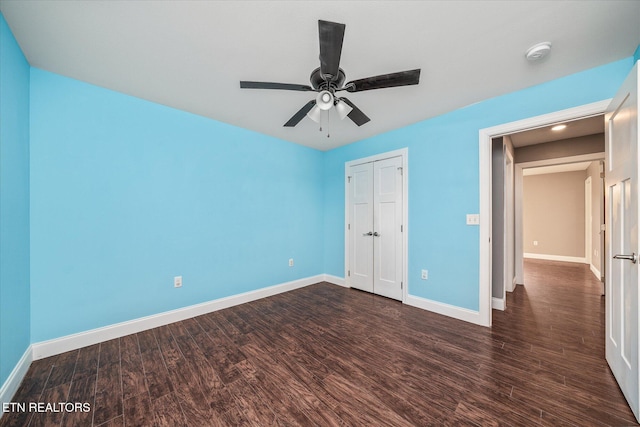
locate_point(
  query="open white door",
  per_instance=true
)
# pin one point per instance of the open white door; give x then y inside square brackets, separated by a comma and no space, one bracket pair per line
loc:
[622,194]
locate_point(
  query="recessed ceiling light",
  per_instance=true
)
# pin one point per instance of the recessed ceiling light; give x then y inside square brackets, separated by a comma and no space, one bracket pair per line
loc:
[558,127]
[538,51]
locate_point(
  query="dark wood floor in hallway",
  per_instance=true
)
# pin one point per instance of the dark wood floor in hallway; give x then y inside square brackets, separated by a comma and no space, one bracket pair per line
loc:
[325,355]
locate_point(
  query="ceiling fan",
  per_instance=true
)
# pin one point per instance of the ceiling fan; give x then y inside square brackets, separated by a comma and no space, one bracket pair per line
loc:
[329,78]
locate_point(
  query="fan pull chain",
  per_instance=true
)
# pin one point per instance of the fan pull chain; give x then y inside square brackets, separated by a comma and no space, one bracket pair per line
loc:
[328,115]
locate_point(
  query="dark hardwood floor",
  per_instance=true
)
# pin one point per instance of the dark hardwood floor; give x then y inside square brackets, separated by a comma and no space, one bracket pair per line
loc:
[325,355]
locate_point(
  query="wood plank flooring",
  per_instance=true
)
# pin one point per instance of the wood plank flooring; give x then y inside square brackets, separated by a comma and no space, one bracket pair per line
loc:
[329,356]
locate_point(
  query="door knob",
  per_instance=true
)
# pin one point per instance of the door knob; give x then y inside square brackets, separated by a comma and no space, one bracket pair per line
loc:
[375,234]
[633,257]
[367,234]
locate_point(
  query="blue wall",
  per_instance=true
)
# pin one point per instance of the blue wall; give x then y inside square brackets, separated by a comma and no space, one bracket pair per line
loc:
[126,194]
[14,202]
[443,180]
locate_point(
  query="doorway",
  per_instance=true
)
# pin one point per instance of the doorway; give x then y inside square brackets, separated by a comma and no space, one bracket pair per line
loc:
[375,224]
[621,137]
[556,160]
[485,154]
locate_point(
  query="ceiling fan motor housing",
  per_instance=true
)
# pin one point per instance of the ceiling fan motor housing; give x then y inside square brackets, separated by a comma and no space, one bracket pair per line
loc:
[318,81]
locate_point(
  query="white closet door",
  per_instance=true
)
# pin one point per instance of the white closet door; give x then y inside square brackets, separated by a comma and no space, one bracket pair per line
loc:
[375,227]
[361,227]
[387,218]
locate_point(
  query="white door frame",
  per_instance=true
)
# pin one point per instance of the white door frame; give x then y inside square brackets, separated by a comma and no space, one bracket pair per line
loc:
[518,220]
[588,222]
[509,228]
[485,136]
[404,153]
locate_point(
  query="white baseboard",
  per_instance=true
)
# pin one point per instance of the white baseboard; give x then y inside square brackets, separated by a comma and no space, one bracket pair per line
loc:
[595,272]
[12,383]
[497,303]
[426,304]
[72,342]
[335,280]
[581,260]
[445,309]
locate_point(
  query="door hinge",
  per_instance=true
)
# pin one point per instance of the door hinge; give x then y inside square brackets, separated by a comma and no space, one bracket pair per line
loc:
[401,228]
[349,273]
[348,179]
[400,169]
[400,285]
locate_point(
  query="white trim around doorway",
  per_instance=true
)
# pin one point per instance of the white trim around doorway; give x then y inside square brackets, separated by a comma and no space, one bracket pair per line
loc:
[485,136]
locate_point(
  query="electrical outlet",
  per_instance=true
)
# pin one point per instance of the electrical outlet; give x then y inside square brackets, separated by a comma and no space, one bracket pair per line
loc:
[535,243]
[177,282]
[425,274]
[290,262]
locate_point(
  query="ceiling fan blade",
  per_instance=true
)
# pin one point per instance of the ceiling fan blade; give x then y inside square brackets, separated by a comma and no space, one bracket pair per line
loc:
[402,78]
[271,85]
[356,114]
[300,114]
[331,37]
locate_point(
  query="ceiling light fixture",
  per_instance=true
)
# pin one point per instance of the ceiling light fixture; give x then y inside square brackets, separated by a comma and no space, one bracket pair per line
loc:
[556,128]
[343,109]
[314,114]
[324,100]
[538,51]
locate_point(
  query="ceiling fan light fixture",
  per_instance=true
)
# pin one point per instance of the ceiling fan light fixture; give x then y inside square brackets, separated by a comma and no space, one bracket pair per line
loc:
[314,114]
[343,109]
[324,100]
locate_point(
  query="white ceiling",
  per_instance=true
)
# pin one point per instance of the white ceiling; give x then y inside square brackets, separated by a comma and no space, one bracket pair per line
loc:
[191,55]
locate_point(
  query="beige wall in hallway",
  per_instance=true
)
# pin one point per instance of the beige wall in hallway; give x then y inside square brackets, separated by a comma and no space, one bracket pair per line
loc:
[553,214]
